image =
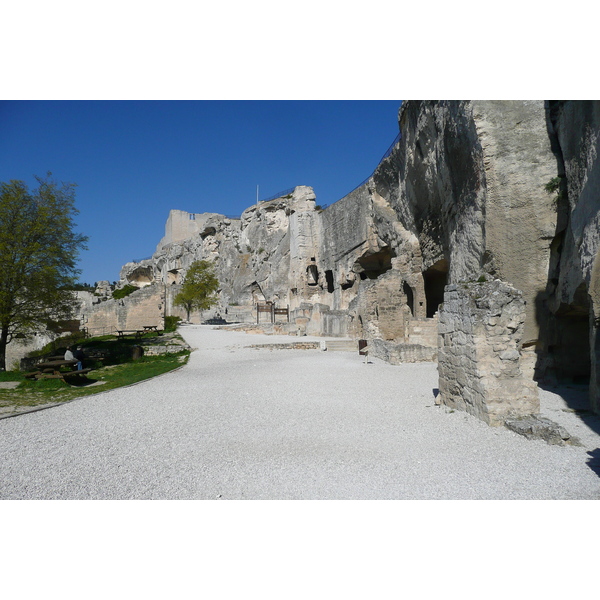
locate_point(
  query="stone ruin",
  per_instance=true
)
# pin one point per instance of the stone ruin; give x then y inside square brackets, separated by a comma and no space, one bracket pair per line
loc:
[483,220]
[481,363]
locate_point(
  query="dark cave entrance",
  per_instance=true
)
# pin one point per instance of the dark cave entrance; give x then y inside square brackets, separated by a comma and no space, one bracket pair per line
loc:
[569,344]
[435,280]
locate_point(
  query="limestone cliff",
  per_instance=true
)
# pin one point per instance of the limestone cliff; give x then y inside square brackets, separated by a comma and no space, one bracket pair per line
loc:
[465,196]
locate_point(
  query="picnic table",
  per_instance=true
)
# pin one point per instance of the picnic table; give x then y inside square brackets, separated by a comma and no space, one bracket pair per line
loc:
[57,369]
[121,333]
[151,328]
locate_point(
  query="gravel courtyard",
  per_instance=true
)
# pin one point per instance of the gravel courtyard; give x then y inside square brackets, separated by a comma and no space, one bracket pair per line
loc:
[246,423]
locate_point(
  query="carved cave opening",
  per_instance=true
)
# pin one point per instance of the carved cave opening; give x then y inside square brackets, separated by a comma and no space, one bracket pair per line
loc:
[173,276]
[141,276]
[208,231]
[312,275]
[257,293]
[329,280]
[569,347]
[435,279]
[376,264]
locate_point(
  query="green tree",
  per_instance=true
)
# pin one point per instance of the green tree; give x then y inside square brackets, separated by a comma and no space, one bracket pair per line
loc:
[199,288]
[38,257]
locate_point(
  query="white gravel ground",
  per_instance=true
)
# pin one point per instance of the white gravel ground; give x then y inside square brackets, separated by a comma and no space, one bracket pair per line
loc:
[244,423]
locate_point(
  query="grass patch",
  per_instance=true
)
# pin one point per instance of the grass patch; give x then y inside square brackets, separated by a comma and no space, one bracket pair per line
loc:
[118,369]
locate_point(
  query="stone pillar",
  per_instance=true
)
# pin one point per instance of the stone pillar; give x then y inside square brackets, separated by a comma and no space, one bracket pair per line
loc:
[479,358]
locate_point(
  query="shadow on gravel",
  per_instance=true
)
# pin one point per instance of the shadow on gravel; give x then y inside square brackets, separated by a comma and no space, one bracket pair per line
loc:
[594,461]
[577,399]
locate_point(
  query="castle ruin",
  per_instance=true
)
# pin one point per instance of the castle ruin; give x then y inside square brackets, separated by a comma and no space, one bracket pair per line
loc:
[475,243]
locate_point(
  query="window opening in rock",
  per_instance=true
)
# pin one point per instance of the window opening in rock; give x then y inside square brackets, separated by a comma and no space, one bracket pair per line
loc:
[208,231]
[435,280]
[312,275]
[410,298]
[329,280]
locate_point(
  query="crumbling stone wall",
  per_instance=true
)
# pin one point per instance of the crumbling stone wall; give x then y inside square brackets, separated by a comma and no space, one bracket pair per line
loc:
[479,359]
[380,309]
[143,307]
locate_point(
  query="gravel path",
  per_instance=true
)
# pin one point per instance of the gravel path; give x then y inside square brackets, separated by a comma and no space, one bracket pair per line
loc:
[246,423]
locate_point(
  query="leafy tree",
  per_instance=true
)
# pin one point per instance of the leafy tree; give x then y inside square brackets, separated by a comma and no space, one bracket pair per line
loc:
[198,291]
[38,257]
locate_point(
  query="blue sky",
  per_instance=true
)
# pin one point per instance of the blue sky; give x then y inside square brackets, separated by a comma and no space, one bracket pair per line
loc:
[133,161]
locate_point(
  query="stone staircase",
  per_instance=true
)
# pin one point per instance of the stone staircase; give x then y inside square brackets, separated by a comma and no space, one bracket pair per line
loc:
[424,332]
[342,345]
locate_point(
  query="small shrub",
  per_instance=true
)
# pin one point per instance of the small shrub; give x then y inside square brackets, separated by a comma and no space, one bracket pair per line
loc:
[124,291]
[171,323]
[553,185]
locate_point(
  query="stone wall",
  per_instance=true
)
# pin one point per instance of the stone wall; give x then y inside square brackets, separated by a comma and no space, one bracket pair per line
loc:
[143,307]
[479,361]
[182,225]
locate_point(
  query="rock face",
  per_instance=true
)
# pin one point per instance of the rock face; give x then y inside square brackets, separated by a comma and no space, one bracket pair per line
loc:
[506,191]
[569,307]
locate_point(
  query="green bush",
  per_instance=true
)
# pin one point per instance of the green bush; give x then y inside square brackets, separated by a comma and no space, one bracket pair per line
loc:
[124,291]
[171,323]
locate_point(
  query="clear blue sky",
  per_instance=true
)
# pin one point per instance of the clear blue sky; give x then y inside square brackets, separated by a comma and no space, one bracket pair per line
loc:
[133,161]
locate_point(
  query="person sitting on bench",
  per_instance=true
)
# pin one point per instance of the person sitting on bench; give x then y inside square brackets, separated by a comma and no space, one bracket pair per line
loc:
[79,356]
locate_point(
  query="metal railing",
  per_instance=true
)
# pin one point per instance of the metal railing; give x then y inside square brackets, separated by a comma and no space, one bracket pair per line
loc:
[387,153]
[279,194]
